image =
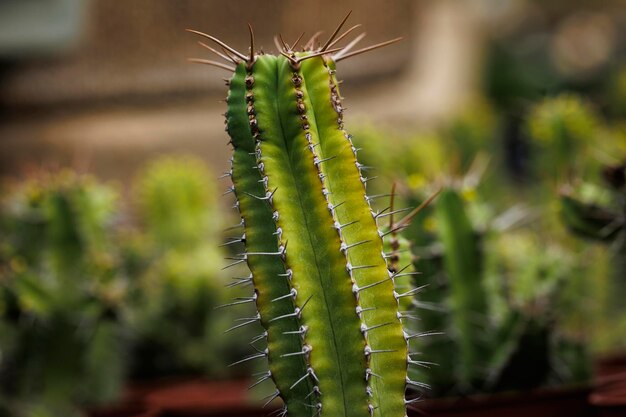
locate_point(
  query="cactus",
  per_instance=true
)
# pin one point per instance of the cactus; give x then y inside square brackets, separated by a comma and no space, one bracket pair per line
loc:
[600,215]
[335,342]
[177,286]
[62,334]
[462,260]
[489,292]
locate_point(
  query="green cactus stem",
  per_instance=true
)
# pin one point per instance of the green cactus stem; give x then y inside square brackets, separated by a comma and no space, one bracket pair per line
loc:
[322,287]
[462,261]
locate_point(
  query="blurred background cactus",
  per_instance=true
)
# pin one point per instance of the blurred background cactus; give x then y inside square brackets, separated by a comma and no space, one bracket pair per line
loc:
[492,289]
[92,295]
[178,283]
[62,296]
[597,212]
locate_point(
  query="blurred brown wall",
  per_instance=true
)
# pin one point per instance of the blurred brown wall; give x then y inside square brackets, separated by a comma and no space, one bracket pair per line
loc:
[139,49]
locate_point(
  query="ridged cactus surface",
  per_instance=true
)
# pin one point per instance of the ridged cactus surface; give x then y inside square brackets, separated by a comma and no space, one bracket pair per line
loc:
[325,296]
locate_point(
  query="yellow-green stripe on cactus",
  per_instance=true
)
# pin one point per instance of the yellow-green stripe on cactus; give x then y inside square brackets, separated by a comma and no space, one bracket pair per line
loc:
[324,293]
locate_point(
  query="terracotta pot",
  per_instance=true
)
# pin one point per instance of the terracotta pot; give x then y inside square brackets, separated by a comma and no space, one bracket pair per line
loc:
[125,410]
[198,397]
[609,390]
[571,402]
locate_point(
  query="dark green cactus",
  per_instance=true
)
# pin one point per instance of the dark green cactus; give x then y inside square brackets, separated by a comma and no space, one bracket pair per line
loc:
[463,263]
[488,291]
[324,293]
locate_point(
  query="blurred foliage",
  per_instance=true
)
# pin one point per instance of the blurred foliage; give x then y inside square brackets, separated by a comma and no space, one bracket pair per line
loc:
[598,213]
[88,301]
[560,128]
[62,296]
[506,284]
[492,289]
[178,283]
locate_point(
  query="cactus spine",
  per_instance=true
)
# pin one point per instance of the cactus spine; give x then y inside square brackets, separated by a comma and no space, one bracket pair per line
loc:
[324,293]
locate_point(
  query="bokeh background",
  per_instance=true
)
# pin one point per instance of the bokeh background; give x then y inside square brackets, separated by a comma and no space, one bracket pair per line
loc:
[111,144]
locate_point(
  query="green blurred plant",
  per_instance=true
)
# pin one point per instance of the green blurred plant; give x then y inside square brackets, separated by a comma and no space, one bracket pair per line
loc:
[83,296]
[562,129]
[493,294]
[176,251]
[598,213]
[61,295]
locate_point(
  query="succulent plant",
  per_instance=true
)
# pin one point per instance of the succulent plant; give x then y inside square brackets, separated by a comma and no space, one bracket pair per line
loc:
[489,292]
[62,340]
[561,128]
[174,270]
[598,213]
[324,293]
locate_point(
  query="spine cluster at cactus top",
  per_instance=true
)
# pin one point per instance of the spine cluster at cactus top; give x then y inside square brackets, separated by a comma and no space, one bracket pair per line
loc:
[334,337]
